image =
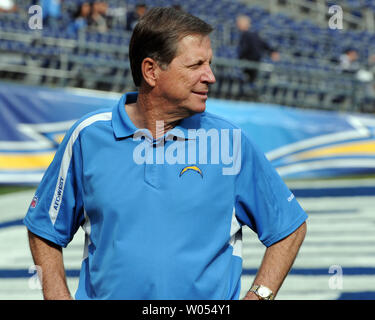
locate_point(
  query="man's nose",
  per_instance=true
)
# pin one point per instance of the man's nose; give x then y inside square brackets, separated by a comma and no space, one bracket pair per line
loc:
[208,75]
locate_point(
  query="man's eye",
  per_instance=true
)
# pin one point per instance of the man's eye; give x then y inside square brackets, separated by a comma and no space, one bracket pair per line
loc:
[197,65]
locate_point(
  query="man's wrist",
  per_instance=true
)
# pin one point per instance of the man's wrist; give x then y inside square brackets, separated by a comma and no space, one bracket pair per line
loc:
[251,296]
[262,292]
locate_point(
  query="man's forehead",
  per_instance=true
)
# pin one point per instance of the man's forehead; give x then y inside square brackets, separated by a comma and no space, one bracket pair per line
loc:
[198,44]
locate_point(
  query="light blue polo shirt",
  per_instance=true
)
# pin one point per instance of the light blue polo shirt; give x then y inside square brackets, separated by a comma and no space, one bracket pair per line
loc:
[162,218]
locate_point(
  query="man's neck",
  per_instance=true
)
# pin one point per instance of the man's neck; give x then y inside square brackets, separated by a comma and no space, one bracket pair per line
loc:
[153,115]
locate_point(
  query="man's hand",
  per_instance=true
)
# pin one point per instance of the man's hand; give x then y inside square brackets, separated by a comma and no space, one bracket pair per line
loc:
[275,56]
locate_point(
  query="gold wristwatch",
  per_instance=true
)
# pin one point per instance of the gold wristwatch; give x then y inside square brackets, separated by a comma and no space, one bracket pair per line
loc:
[262,292]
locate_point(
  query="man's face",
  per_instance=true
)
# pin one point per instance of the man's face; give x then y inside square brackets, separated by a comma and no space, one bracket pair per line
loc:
[243,23]
[353,55]
[141,10]
[184,83]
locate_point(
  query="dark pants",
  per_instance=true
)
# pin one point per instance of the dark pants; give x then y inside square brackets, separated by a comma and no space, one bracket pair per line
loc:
[251,74]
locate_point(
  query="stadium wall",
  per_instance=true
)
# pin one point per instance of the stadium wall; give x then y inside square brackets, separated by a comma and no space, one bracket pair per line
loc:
[299,143]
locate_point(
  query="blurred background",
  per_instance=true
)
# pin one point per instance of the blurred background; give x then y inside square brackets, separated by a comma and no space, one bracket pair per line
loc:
[297,75]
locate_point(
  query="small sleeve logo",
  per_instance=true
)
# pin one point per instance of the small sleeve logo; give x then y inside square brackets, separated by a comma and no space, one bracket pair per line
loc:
[34,202]
[291,197]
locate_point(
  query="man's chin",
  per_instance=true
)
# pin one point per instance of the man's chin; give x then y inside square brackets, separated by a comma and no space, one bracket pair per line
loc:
[194,107]
[200,105]
[199,108]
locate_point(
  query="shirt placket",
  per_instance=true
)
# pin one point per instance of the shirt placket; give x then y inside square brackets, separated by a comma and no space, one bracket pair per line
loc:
[156,150]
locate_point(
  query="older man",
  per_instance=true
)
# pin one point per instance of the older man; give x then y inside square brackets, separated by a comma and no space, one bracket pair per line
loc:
[161,207]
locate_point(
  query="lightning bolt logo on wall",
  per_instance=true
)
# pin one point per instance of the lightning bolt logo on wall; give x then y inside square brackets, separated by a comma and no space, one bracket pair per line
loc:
[26,160]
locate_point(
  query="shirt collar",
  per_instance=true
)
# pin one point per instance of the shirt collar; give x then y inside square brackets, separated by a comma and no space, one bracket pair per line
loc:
[182,129]
[123,127]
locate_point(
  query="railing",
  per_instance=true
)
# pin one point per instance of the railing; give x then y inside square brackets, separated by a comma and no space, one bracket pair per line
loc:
[38,60]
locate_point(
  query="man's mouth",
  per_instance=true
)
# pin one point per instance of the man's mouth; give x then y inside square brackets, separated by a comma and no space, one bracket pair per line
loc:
[201,93]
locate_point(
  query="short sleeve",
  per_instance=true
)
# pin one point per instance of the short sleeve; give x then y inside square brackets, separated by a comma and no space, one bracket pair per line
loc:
[56,211]
[263,201]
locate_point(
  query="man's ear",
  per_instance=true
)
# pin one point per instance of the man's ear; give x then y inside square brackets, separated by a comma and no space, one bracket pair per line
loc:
[149,71]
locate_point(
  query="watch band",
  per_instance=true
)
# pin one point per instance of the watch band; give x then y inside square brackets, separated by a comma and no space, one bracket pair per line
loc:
[262,292]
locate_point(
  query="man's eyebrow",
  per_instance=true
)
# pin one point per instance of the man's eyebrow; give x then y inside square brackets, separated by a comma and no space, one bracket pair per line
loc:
[193,63]
[199,61]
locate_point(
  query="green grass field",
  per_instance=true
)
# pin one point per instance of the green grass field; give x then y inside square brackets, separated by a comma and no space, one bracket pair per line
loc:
[4,189]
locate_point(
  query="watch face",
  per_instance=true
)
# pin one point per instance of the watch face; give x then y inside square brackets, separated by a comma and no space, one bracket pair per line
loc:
[264,292]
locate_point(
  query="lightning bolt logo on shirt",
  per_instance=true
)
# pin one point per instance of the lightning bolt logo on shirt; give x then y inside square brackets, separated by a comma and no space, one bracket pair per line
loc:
[192,168]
